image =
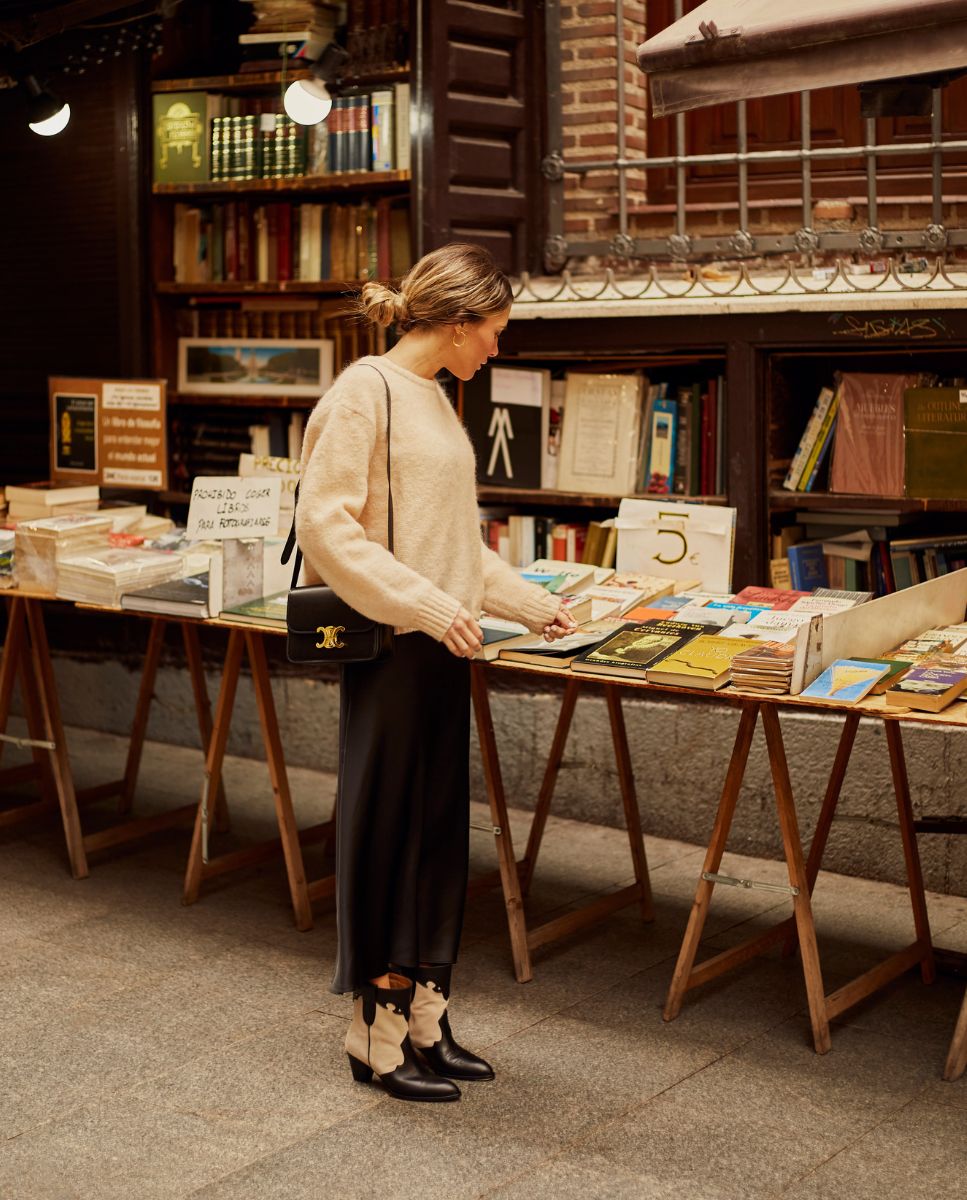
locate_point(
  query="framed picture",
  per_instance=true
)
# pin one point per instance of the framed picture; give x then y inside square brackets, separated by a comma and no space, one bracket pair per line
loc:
[254,366]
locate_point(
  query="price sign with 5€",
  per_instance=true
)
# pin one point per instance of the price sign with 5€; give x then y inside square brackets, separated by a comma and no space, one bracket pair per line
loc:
[679,541]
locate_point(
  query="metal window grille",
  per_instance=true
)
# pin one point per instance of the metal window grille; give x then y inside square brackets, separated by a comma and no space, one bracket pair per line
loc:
[680,244]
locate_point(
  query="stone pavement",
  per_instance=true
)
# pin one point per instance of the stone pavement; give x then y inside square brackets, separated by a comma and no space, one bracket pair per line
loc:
[160,1052]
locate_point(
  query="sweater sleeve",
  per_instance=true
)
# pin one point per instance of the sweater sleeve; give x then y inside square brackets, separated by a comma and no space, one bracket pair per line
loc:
[332,496]
[507,595]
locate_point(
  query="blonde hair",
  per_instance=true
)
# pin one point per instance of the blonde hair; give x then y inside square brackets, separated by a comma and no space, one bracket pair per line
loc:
[458,282]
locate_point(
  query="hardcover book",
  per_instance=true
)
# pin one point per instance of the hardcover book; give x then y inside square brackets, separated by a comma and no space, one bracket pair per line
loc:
[847,681]
[930,686]
[705,662]
[505,411]
[634,648]
[868,449]
[266,610]
[181,136]
[935,442]
[807,566]
[186,597]
[599,440]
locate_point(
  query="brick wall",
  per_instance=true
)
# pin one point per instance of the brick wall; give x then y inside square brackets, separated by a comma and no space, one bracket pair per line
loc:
[589,117]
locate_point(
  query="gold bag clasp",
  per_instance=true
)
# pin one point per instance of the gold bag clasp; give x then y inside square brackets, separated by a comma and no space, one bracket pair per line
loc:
[330,637]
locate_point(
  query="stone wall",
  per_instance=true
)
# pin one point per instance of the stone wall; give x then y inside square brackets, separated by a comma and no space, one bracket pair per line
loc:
[679,753]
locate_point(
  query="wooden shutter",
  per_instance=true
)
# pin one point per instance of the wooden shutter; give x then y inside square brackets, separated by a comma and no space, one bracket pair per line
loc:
[480,113]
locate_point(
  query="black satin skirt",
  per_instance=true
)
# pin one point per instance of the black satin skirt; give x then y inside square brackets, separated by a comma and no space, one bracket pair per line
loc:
[402,810]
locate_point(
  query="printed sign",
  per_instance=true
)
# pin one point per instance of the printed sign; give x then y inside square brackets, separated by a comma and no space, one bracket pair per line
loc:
[110,432]
[680,541]
[227,507]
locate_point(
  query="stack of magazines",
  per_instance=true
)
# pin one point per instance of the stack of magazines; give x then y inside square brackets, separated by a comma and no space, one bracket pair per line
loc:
[102,576]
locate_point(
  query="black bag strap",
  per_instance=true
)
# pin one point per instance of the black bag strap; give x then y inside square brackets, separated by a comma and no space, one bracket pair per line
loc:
[290,541]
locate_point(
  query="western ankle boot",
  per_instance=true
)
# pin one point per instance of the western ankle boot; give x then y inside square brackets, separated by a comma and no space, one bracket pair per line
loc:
[378,1042]
[430,1028]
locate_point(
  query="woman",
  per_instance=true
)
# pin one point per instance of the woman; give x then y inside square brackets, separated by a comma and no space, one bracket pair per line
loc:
[402,810]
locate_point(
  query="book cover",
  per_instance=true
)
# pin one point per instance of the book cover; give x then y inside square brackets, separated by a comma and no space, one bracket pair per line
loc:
[929,686]
[854,597]
[868,449]
[705,662]
[895,668]
[778,599]
[847,681]
[182,145]
[265,610]
[599,439]
[807,566]
[634,648]
[187,597]
[505,412]
[935,442]
[821,605]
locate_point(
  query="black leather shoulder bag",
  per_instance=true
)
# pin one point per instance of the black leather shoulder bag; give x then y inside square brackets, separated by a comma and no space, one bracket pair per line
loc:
[321,627]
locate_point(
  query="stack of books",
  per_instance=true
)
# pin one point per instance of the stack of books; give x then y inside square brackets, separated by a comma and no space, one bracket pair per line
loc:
[765,667]
[103,576]
[32,501]
[186,597]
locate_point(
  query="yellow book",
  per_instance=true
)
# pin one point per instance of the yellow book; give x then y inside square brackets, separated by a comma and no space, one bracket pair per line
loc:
[704,662]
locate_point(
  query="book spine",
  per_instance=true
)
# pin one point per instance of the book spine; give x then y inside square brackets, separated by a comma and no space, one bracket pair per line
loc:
[823,437]
[401,96]
[808,440]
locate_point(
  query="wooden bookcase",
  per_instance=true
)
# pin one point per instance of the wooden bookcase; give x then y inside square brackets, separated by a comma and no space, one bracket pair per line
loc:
[774,364]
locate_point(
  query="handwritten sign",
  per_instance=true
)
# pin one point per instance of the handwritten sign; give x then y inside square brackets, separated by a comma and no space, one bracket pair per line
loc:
[225,507]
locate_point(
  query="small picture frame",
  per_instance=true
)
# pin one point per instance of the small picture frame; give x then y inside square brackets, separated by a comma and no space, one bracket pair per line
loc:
[255,366]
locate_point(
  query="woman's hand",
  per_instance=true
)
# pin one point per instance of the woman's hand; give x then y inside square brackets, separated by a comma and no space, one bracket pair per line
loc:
[464,637]
[561,626]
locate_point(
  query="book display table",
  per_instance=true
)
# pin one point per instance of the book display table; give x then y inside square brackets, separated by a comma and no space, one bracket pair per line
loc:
[26,655]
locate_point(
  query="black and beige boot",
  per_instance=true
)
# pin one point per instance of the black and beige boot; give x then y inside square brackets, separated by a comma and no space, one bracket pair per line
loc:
[378,1041]
[430,1028]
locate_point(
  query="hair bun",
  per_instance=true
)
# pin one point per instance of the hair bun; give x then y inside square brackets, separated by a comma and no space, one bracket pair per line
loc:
[381,304]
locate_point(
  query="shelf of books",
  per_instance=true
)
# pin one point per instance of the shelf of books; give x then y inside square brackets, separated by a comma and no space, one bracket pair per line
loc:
[866,483]
[560,443]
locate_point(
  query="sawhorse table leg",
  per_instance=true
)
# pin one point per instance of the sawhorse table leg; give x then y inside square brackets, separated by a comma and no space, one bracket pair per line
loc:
[800,928]
[201,866]
[16,664]
[515,878]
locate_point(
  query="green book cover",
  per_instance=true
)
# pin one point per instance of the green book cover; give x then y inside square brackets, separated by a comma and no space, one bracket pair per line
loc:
[181,139]
[270,609]
[935,443]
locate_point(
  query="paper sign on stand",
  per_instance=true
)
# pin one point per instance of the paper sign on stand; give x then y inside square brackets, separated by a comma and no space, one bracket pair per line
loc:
[679,541]
[243,514]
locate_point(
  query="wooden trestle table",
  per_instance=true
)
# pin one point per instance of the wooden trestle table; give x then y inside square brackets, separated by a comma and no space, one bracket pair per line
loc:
[26,656]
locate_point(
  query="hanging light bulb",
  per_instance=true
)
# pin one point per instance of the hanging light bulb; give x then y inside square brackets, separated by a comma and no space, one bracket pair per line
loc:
[307,101]
[47,114]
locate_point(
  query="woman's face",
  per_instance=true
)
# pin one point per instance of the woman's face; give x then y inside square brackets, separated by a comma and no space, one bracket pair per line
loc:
[465,360]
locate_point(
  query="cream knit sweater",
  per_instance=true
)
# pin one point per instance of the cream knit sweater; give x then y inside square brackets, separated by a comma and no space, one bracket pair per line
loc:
[439,561]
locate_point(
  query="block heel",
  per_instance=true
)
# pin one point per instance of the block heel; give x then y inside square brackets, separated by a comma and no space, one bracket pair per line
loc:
[361,1073]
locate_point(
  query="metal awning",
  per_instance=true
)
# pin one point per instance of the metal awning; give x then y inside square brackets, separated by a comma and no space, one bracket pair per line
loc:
[727,50]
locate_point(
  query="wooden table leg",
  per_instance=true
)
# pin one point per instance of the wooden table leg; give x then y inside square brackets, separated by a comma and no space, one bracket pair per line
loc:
[13,654]
[542,808]
[682,978]
[825,822]
[142,711]
[918,901]
[629,798]
[957,1055]
[214,757]
[203,710]
[54,732]
[510,882]
[288,830]
[796,866]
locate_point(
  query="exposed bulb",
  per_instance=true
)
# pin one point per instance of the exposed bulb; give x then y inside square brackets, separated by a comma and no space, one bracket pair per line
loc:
[307,101]
[54,124]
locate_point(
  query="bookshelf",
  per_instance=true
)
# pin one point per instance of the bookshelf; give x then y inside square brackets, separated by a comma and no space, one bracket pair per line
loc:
[888,522]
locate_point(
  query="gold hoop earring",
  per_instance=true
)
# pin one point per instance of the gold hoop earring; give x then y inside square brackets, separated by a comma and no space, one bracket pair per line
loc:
[453,338]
